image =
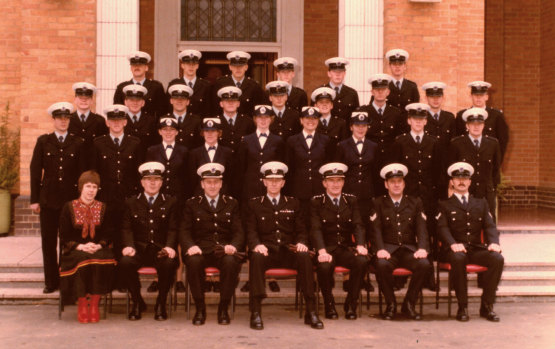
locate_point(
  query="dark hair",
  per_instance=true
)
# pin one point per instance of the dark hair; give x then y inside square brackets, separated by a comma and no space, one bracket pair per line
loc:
[88,177]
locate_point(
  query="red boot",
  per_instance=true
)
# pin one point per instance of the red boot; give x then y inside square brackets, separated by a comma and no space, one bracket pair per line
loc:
[82,310]
[94,315]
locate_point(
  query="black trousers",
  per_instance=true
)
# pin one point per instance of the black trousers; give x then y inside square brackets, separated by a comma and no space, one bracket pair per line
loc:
[403,258]
[492,260]
[49,224]
[341,256]
[165,267]
[282,258]
[229,268]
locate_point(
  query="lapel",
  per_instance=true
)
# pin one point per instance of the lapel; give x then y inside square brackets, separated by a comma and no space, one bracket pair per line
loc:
[302,141]
[404,202]
[217,155]
[456,202]
[124,141]
[253,140]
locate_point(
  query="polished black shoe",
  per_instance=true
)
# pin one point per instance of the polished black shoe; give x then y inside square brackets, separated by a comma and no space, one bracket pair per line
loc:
[256,321]
[216,286]
[486,311]
[180,287]
[160,313]
[389,312]
[462,314]
[47,290]
[410,312]
[245,287]
[223,315]
[137,310]
[310,318]
[350,314]
[153,287]
[200,316]
[330,312]
[274,287]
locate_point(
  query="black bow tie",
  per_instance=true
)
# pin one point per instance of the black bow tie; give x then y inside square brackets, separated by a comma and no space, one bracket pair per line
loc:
[211,148]
[309,136]
[263,135]
[360,142]
[169,146]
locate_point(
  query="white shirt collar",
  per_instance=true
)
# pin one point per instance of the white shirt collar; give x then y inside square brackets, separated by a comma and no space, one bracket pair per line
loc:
[270,198]
[215,199]
[140,82]
[190,81]
[154,196]
[459,196]
[333,197]
[166,144]
[421,134]
[58,135]
[87,113]
[207,146]
[394,201]
[400,81]
[138,115]
[356,140]
[334,86]
[236,81]
[382,107]
[182,115]
[120,137]
[327,118]
[276,110]
[306,134]
[258,132]
[227,117]
[479,139]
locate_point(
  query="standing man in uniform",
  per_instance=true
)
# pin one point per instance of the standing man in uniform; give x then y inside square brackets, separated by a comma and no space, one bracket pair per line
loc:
[83,122]
[287,120]
[285,71]
[480,151]
[234,124]
[188,123]
[495,125]
[346,98]
[332,126]
[338,234]
[403,91]
[199,101]
[400,238]
[57,162]
[149,238]
[462,220]
[156,101]
[211,235]
[251,92]
[140,123]
[278,238]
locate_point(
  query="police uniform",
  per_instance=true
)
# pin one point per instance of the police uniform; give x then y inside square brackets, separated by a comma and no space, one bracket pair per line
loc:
[346,99]
[296,97]
[188,124]
[403,92]
[486,159]
[286,122]
[399,227]
[242,124]
[87,125]
[338,228]
[333,126]
[495,125]
[56,165]
[156,101]
[252,155]
[199,101]
[465,221]
[175,174]
[208,224]
[142,124]
[277,224]
[252,94]
[149,226]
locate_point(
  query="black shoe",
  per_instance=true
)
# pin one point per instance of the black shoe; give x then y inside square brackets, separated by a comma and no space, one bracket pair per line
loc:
[409,311]
[160,313]
[223,316]
[486,311]
[330,312]
[137,310]
[350,314]
[462,314]
[200,316]
[310,318]
[47,290]
[256,321]
[245,287]
[180,287]
[389,312]
[216,286]
[274,287]
[153,287]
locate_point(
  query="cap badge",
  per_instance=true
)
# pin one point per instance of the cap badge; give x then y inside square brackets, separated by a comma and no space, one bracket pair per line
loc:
[210,123]
[168,122]
[461,169]
[116,110]
[263,110]
[360,117]
[310,111]
[334,170]
[151,170]
[274,170]
[213,170]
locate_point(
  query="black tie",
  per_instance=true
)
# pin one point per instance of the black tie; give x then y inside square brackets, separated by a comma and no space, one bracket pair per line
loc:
[464,202]
[325,122]
[179,120]
[274,201]
[336,90]
[134,119]
[360,142]
[137,83]
[380,111]
[396,204]
[169,146]
[417,139]
[83,118]
[116,141]
[238,84]
[190,84]
[211,148]
[309,137]
[436,116]
[263,135]
[213,204]
[336,202]
[230,121]
[477,144]
[398,84]
[150,201]
[61,139]
[279,115]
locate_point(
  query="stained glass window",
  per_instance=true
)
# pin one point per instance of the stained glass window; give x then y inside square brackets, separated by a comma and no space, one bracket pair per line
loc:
[228,20]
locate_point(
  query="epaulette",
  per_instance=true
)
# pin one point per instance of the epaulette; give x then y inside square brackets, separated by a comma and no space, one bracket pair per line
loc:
[491,138]
[458,137]
[401,135]
[256,198]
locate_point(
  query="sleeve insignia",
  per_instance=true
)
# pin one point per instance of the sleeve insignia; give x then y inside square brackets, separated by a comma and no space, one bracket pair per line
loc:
[373,217]
[438,215]
[423,216]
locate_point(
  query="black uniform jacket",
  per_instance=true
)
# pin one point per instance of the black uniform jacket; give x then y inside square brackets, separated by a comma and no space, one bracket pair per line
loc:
[199,102]
[145,129]
[457,224]
[443,130]
[206,227]
[495,126]
[345,102]
[303,179]
[383,130]
[117,167]
[252,156]
[297,99]
[358,179]
[287,125]
[189,131]
[275,226]
[252,94]
[156,100]
[223,155]
[55,168]
[395,227]
[332,226]
[401,98]
[336,130]
[232,135]
[155,225]
[175,175]
[486,162]
[94,126]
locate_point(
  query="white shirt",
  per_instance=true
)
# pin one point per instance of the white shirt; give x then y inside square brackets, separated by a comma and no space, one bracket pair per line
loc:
[234,117]
[180,116]
[277,111]
[169,151]
[400,82]
[148,197]
[360,145]
[332,86]
[120,137]
[309,140]
[327,118]
[210,199]
[394,201]
[377,107]
[332,198]
[421,135]
[262,140]
[472,139]
[63,135]
[131,116]
[271,198]
[86,115]
[460,196]
[211,152]
[140,82]
[238,81]
[190,81]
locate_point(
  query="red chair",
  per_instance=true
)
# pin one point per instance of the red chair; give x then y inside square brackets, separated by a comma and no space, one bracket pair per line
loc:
[288,274]
[151,273]
[211,273]
[343,271]
[470,268]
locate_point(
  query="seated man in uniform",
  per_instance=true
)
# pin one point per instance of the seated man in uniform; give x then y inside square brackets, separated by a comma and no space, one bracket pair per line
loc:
[149,238]
[211,235]
[461,220]
[278,238]
[400,238]
[335,220]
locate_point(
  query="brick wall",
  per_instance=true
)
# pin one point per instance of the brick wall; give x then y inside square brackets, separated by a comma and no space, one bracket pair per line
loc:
[321,33]
[146,31]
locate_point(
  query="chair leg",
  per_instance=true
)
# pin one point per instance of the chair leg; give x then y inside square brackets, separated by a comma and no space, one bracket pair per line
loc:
[380,299]
[233,303]
[421,303]
[437,284]
[105,305]
[359,305]
[188,301]
[449,296]
[111,301]
[60,307]
[127,303]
